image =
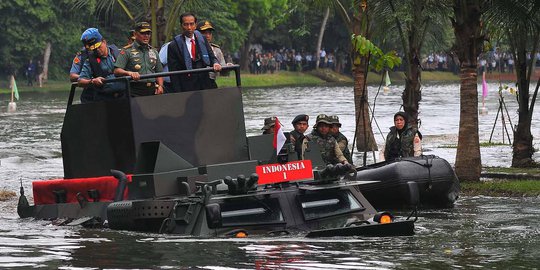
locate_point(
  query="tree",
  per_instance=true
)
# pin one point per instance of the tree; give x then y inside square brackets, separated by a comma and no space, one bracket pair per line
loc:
[29,28]
[519,22]
[163,16]
[414,20]
[469,42]
[249,17]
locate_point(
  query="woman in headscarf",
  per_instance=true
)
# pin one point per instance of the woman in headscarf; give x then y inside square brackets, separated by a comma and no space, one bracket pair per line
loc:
[402,140]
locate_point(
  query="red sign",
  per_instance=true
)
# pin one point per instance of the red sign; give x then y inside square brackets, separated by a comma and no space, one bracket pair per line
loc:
[290,171]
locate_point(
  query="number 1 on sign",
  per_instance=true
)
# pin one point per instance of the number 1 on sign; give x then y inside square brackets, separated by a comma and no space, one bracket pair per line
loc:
[284,176]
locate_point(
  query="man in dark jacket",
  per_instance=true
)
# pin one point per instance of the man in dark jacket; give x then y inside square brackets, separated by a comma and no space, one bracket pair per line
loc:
[191,50]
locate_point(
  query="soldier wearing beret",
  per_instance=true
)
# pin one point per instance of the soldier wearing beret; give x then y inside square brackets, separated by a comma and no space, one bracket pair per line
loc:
[300,124]
[342,141]
[140,58]
[330,152]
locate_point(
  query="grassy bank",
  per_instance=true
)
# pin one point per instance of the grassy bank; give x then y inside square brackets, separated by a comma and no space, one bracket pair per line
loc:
[502,187]
[50,86]
[507,182]
[282,78]
[288,78]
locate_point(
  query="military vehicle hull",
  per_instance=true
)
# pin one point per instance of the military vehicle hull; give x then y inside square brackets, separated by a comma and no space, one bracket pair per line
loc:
[156,164]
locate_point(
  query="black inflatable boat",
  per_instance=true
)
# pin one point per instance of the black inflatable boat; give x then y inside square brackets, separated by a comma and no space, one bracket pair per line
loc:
[438,185]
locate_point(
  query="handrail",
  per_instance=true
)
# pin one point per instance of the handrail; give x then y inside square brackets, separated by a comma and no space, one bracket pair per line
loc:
[128,79]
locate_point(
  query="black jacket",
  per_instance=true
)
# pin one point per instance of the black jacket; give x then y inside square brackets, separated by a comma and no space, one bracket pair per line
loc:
[189,82]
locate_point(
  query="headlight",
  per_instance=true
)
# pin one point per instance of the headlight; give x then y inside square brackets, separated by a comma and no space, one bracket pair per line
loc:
[383,217]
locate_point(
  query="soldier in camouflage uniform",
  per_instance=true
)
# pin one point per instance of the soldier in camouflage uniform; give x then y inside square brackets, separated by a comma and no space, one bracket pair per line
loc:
[402,139]
[330,152]
[269,124]
[342,141]
[140,58]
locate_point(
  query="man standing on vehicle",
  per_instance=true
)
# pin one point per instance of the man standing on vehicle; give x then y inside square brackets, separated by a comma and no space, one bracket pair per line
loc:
[98,67]
[139,58]
[191,50]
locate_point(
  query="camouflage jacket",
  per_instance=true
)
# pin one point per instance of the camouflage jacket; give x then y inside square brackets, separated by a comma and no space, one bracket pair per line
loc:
[399,145]
[330,152]
[343,144]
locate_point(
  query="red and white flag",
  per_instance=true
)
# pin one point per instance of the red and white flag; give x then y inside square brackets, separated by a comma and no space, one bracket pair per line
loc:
[279,137]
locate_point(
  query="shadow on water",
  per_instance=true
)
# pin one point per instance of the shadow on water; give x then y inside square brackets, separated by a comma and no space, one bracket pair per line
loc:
[477,232]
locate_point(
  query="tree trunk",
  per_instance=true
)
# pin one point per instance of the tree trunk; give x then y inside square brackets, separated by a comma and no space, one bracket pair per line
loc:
[44,75]
[522,147]
[412,36]
[320,38]
[412,95]
[468,161]
[365,141]
[244,56]
[469,41]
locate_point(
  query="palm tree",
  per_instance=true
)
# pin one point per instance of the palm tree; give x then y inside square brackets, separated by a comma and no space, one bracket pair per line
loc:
[357,24]
[163,16]
[469,42]
[519,22]
[415,21]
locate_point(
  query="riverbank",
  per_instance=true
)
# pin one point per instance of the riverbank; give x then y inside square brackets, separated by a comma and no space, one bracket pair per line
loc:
[287,78]
[505,182]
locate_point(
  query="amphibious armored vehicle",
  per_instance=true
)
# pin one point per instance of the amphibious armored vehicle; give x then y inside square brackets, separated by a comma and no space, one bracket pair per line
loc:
[181,163]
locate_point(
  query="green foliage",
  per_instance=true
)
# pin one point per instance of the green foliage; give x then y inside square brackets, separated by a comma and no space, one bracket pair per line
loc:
[379,60]
[29,25]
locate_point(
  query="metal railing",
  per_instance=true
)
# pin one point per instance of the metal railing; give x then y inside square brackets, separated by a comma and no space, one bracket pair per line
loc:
[128,79]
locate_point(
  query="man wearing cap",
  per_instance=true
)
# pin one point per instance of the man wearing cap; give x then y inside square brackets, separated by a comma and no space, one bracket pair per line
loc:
[81,57]
[269,124]
[342,141]
[207,29]
[138,59]
[130,38]
[330,152]
[300,124]
[98,67]
[191,50]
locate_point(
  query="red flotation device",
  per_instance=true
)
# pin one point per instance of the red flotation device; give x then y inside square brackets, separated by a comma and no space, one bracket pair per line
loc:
[44,191]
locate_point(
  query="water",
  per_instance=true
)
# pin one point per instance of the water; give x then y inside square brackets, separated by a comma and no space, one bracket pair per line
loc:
[477,232]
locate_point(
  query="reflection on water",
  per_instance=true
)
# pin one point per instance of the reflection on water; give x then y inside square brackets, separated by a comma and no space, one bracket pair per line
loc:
[478,232]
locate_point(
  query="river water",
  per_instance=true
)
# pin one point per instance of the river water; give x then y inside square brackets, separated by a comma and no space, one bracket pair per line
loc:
[478,232]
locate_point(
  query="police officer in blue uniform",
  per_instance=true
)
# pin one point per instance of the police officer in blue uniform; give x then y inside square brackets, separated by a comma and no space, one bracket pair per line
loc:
[98,67]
